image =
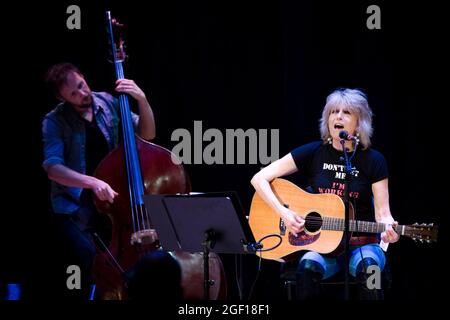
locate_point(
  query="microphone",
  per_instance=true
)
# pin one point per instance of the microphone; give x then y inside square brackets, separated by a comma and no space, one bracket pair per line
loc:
[344,135]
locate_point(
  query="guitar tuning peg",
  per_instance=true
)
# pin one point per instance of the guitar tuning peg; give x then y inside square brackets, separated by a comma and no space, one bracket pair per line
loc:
[423,224]
[430,224]
[415,224]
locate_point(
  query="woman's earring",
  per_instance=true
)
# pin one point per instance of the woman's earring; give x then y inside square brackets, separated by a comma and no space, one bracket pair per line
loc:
[357,138]
[330,141]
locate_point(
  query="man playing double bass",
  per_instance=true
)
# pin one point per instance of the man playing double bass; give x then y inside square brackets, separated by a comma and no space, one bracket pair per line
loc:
[77,134]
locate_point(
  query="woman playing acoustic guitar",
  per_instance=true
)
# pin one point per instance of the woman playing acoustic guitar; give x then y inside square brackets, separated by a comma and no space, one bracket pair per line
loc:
[345,117]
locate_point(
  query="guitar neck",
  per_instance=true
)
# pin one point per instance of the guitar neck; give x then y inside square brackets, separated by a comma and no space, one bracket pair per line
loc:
[356,226]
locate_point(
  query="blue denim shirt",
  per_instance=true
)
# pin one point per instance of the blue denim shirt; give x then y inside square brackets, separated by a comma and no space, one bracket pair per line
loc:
[64,138]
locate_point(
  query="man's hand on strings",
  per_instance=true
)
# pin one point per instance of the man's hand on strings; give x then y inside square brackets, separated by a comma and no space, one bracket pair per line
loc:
[130,87]
[103,191]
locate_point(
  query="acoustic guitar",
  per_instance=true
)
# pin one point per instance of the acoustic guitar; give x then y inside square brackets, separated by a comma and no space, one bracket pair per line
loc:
[324,216]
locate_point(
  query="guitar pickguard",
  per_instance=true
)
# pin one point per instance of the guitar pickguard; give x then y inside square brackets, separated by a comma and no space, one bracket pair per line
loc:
[302,239]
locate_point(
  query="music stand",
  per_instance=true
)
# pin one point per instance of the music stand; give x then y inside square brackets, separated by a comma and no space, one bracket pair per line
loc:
[201,222]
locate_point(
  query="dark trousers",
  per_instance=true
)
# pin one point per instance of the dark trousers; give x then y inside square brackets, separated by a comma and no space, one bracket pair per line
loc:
[74,234]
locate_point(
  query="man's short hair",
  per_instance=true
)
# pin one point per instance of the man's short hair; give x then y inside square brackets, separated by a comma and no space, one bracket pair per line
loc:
[56,76]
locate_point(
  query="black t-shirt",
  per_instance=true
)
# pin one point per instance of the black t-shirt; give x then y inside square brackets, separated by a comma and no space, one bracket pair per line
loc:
[324,171]
[96,146]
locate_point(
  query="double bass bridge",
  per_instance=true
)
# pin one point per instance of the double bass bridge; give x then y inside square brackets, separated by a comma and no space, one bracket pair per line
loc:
[144,237]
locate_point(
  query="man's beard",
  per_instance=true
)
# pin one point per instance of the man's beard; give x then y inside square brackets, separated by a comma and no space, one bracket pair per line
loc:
[87,102]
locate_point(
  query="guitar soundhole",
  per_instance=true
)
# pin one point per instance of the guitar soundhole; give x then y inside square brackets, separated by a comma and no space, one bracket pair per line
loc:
[313,222]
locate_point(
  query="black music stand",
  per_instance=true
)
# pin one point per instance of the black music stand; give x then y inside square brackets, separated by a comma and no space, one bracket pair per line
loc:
[201,222]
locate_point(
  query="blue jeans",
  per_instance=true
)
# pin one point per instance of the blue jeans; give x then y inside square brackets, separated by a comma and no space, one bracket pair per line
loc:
[332,265]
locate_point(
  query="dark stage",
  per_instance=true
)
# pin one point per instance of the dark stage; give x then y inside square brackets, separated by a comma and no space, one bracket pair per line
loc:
[230,65]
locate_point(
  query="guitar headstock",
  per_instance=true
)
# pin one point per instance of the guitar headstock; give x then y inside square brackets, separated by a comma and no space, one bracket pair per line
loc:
[422,232]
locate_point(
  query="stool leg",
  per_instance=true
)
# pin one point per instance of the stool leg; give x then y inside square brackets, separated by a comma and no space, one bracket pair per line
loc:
[288,285]
[308,285]
[309,273]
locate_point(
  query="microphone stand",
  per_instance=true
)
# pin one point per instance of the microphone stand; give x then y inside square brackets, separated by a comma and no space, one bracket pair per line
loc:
[208,244]
[349,173]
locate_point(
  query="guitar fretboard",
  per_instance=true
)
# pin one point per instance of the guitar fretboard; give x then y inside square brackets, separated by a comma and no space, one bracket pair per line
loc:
[354,225]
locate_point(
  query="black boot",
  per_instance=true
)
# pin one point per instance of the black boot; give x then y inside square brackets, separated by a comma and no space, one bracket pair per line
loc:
[367,288]
[309,273]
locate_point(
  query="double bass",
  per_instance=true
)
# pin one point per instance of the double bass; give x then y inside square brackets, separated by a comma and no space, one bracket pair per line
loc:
[135,168]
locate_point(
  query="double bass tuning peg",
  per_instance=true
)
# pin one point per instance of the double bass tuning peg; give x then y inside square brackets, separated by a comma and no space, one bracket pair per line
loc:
[116,23]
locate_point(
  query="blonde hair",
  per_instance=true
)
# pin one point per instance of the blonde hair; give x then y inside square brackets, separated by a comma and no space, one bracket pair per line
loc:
[356,102]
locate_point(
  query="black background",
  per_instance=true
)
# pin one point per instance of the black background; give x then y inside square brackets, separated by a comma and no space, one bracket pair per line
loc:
[237,64]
